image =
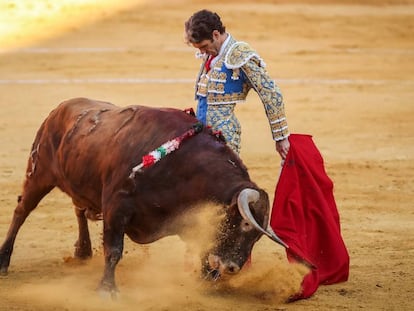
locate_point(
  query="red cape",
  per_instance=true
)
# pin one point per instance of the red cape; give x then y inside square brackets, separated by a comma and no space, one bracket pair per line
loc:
[305,216]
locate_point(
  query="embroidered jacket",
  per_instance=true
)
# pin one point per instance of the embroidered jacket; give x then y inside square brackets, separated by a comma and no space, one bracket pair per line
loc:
[233,72]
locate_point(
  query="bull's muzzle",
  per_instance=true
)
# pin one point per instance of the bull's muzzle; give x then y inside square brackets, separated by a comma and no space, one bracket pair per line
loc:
[219,268]
[229,267]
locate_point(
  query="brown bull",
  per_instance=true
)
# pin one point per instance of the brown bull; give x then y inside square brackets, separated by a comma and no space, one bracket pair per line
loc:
[92,151]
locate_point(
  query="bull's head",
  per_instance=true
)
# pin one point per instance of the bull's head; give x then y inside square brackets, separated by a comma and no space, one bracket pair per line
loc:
[246,221]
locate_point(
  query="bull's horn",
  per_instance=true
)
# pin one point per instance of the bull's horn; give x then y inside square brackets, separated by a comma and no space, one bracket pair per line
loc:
[247,196]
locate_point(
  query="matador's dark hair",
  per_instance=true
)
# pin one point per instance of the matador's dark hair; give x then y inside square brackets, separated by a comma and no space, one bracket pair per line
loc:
[200,26]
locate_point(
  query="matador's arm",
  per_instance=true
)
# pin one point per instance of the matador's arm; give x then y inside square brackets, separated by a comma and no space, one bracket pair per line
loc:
[243,57]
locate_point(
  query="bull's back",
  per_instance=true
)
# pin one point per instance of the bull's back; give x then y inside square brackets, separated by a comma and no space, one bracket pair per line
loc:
[92,143]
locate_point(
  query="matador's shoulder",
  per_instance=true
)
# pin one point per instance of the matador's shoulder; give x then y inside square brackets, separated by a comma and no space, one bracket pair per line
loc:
[239,53]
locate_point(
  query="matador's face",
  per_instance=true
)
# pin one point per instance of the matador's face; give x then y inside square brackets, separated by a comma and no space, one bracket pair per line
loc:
[208,46]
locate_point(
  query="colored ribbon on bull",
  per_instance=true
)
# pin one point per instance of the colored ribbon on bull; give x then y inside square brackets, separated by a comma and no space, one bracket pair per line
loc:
[165,149]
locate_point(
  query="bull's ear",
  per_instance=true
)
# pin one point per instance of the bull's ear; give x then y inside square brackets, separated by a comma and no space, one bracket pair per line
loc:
[233,207]
[262,204]
[234,199]
[262,207]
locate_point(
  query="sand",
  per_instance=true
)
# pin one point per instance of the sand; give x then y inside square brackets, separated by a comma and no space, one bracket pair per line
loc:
[346,70]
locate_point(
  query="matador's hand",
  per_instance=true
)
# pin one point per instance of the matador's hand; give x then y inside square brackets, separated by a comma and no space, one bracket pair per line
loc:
[282,146]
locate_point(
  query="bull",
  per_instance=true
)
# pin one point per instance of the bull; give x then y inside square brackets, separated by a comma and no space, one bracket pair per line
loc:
[94,151]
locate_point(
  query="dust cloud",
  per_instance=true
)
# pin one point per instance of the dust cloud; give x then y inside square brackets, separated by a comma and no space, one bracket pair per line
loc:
[164,275]
[268,280]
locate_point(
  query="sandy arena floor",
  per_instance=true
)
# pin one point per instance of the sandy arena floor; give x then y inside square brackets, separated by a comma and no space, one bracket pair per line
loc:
[347,74]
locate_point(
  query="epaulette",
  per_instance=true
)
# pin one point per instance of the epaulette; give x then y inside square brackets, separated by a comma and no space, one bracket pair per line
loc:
[239,54]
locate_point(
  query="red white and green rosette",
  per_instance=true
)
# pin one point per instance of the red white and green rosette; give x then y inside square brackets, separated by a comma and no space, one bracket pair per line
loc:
[164,150]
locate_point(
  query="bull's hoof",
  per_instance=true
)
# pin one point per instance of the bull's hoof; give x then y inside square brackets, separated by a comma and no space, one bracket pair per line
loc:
[108,291]
[83,250]
[4,264]
[3,271]
[83,255]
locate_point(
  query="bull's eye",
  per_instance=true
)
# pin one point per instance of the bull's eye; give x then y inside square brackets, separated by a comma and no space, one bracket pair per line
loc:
[245,226]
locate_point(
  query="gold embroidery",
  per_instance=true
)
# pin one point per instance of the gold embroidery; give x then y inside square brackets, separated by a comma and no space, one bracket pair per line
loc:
[238,55]
[202,86]
[222,118]
[236,74]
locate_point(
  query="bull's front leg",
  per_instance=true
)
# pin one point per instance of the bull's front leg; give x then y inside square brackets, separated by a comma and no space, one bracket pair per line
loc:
[32,194]
[113,240]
